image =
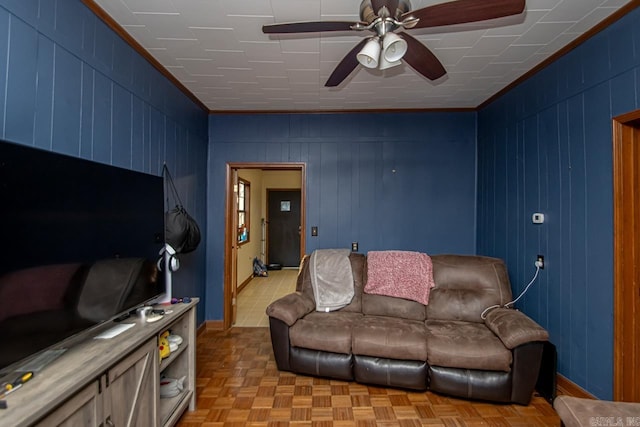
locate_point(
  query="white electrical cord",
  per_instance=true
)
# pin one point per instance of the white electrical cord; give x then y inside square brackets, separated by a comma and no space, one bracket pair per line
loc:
[483,316]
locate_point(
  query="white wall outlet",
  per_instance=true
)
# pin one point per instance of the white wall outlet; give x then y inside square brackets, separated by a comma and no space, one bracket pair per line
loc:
[537,218]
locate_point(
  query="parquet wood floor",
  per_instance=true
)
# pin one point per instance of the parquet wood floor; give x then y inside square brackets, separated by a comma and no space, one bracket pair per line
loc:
[238,384]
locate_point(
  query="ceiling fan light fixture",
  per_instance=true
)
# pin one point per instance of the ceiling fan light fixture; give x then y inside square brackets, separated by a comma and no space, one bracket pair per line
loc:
[389,45]
[393,47]
[384,64]
[370,54]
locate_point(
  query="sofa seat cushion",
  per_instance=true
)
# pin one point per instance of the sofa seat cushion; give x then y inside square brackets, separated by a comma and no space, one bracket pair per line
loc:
[468,345]
[390,337]
[324,331]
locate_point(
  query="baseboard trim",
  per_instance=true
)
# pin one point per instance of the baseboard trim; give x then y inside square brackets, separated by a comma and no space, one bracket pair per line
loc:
[245,283]
[214,325]
[569,388]
[201,329]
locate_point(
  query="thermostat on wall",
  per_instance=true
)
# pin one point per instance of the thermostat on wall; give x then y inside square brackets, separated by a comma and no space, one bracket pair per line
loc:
[537,218]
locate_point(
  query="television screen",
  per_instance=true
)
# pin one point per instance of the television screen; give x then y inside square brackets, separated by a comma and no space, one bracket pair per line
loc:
[80,246]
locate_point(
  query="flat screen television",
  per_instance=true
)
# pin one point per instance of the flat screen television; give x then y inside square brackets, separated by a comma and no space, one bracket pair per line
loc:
[80,245]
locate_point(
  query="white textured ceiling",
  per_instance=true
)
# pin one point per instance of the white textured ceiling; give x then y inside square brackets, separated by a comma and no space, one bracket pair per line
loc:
[217,50]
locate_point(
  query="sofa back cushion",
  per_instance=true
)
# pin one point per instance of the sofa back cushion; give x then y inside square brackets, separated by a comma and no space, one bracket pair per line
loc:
[357,268]
[382,305]
[303,285]
[466,285]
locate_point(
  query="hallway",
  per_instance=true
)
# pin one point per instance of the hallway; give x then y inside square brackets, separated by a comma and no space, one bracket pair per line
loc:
[260,292]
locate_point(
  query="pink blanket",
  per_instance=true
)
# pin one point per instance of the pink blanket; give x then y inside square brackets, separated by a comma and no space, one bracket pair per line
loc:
[400,274]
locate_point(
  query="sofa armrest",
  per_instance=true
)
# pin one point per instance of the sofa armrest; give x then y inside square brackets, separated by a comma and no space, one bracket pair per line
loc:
[290,308]
[514,328]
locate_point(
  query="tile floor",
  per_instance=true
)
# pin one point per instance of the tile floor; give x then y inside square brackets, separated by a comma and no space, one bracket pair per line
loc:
[260,292]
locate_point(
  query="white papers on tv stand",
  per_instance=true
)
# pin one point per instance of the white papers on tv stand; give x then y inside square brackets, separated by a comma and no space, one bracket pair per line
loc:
[114,331]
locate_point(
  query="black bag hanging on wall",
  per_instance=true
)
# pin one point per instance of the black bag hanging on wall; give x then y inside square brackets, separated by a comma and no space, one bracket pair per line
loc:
[181,230]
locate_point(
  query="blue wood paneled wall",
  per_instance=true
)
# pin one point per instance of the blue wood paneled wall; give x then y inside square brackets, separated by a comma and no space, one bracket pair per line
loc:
[546,146]
[353,193]
[71,85]
[403,181]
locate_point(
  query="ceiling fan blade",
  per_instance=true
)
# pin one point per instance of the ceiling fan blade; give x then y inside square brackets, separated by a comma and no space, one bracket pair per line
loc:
[309,27]
[463,11]
[346,66]
[421,59]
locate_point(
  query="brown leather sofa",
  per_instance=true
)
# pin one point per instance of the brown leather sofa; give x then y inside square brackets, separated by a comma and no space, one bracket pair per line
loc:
[444,346]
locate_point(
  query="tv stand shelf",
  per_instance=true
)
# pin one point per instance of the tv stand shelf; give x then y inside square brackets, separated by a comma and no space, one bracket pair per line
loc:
[116,380]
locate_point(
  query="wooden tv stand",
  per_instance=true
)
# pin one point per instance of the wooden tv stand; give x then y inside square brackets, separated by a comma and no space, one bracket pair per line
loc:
[112,381]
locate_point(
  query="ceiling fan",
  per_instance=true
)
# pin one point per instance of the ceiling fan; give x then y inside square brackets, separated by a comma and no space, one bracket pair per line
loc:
[388,46]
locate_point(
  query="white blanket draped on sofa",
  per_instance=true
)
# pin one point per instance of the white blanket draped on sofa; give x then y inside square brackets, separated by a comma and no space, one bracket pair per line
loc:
[331,278]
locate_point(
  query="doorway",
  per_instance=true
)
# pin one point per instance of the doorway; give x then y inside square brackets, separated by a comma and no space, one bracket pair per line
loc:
[283,227]
[626,213]
[241,251]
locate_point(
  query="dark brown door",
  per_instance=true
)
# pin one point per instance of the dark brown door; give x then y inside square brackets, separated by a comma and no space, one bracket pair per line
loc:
[283,227]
